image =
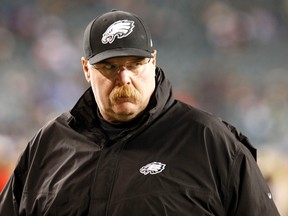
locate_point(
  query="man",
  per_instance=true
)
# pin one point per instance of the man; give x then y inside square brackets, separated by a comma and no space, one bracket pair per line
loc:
[129,148]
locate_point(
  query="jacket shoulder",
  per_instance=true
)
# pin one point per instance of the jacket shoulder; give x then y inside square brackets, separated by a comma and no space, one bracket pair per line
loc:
[215,126]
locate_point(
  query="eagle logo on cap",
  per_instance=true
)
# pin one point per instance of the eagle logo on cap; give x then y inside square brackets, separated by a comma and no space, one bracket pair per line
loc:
[119,29]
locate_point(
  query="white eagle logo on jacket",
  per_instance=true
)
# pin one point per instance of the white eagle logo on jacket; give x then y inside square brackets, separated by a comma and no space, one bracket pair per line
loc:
[152,168]
[119,29]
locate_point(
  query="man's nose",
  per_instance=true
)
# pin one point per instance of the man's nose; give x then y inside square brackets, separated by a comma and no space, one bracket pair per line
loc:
[123,76]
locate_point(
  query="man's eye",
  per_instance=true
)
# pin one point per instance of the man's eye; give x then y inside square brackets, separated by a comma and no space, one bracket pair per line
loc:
[109,66]
[135,64]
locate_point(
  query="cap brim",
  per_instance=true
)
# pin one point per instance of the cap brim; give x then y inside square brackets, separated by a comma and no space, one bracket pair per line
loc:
[121,52]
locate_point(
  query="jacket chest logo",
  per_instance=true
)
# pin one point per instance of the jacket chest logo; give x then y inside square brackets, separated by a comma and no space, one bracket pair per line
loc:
[152,168]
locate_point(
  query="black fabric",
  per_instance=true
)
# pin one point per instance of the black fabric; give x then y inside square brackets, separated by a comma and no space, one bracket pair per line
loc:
[179,161]
[117,129]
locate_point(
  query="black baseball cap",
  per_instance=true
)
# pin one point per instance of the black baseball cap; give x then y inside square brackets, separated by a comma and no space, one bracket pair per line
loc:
[117,34]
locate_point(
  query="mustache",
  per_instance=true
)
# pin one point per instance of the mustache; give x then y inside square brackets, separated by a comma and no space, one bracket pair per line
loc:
[125,91]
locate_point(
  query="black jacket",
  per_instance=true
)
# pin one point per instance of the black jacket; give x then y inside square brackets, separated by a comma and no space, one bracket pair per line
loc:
[177,160]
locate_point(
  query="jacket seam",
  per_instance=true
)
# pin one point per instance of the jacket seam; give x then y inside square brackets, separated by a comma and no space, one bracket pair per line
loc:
[230,178]
[114,177]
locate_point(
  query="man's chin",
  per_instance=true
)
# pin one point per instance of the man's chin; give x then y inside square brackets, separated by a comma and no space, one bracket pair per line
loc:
[125,108]
[126,111]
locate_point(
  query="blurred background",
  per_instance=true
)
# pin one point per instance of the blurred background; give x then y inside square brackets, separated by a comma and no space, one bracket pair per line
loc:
[226,57]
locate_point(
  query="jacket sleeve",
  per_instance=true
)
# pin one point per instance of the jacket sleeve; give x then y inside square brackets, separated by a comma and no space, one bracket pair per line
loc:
[247,191]
[10,196]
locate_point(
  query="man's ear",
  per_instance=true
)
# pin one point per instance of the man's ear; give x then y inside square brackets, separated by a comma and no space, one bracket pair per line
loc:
[85,69]
[154,53]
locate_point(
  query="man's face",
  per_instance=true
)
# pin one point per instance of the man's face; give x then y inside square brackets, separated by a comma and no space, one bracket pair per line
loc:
[122,86]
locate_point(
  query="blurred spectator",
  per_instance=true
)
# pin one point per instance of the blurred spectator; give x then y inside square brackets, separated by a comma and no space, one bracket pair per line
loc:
[7,44]
[7,155]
